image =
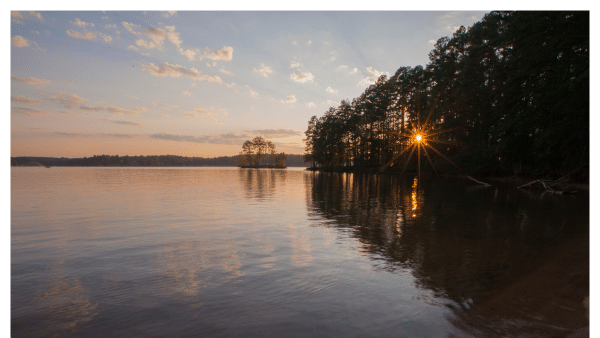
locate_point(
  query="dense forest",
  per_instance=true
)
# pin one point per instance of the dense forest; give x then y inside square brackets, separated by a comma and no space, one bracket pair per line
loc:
[143,161]
[509,95]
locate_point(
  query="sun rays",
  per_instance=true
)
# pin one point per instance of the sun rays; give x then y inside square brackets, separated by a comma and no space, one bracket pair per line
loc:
[419,138]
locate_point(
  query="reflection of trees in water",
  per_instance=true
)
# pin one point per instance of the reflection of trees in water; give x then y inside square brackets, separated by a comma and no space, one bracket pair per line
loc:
[262,183]
[469,245]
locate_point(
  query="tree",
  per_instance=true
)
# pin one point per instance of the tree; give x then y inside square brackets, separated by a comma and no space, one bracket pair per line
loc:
[255,151]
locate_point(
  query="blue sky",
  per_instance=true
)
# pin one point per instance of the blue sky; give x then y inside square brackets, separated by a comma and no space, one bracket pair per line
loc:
[199,83]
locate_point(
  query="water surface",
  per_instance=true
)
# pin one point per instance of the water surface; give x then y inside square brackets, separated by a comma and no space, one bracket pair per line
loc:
[224,252]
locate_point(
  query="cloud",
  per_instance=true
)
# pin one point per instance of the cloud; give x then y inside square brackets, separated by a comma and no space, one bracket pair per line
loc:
[119,135]
[263,70]
[157,35]
[87,36]
[207,111]
[302,77]
[354,71]
[114,110]
[127,123]
[224,71]
[131,28]
[230,138]
[173,36]
[16,16]
[167,69]
[186,93]
[81,24]
[375,74]
[23,99]
[290,99]
[30,111]
[31,81]
[147,44]
[252,92]
[106,38]
[91,108]
[120,111]
[294,64]
[432,41]
[311,104]
[189,53]
[19,41]
[277,133]
[225,53]
[331,90]
[72,134]
[188,114]
[168,14]
[66,99]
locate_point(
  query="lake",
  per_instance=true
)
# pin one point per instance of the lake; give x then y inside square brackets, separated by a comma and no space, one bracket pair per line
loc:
[229,252]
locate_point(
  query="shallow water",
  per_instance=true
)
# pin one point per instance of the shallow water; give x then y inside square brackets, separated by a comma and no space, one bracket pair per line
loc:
[224,252]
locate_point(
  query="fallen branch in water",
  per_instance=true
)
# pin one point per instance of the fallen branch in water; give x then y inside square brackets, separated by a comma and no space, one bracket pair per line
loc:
[485,184]
[546,187]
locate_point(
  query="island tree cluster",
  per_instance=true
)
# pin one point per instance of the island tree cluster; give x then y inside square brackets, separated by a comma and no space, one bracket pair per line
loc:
[508,95]
[258,152]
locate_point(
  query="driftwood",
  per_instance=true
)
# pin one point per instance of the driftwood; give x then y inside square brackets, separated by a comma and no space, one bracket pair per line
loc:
[485,184]
[547,187]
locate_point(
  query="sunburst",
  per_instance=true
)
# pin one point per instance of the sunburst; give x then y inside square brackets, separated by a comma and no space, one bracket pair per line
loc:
[420,138]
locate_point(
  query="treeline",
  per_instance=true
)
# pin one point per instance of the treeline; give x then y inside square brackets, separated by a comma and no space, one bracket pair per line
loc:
[142,161]
[510,95]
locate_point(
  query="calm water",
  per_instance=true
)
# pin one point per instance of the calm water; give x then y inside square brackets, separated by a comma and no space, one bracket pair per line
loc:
[222,252]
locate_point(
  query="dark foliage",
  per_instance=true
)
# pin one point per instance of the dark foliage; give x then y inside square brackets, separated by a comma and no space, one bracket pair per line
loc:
[510,94]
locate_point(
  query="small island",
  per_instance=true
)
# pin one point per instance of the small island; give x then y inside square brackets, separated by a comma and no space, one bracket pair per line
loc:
[261,153]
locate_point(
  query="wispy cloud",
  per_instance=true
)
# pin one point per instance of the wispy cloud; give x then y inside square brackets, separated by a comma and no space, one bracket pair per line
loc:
[263,70]
[31,81]
[302,77]
[23,99]
[81,24]
[225,53]
[66,100]
[167,69]
[331,90]
[230,138]
[30,111]
[276,133]
[290,99]
[168,14]
[19,16]
[119,135]
[310,104]
[375,74]
[114,110]
[19,41]
[127,123]
[61,133]
[132,28]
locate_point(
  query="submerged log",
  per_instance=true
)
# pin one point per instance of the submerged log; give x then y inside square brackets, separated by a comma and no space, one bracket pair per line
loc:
[485,184]
[547,187]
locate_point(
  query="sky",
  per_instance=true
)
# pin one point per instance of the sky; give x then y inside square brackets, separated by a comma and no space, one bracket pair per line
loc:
[199,83]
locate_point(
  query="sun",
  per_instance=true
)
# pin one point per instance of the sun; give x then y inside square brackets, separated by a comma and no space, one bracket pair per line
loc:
[418,137]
